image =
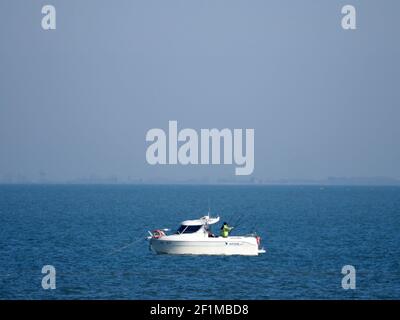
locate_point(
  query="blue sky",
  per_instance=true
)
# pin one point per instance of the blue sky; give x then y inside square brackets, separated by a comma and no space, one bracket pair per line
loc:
[78,101]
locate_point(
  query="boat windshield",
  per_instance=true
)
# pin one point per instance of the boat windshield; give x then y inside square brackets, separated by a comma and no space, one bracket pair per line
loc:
[188,229]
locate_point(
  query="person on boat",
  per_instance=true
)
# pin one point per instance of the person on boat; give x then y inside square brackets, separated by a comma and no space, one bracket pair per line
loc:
[225,229]
[209,232]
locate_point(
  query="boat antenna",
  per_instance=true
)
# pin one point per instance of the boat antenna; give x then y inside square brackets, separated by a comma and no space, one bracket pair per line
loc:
[209,206]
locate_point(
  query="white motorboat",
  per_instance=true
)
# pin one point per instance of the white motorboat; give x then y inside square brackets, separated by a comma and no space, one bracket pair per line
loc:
[196,237]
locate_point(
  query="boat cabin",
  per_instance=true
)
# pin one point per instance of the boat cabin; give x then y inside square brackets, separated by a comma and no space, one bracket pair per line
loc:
[198,225]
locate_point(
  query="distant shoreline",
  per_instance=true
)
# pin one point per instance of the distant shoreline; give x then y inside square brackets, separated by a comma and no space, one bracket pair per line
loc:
[202,184]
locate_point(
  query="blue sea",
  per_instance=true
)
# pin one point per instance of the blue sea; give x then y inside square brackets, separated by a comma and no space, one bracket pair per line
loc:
[94,235]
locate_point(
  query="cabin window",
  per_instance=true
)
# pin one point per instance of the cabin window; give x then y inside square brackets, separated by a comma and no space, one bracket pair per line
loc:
[188,229]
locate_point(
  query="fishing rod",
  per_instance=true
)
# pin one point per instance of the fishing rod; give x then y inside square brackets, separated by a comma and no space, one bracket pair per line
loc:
[253,227]
[124,247]
[234,217]
[237,222]
[134,241]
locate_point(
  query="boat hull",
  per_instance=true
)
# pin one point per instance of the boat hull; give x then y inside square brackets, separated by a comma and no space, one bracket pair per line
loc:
[211,246]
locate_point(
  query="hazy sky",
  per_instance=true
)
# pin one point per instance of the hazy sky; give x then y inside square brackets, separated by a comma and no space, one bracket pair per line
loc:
[79,100]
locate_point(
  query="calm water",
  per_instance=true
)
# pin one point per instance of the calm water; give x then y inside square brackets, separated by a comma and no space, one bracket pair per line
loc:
[94,236]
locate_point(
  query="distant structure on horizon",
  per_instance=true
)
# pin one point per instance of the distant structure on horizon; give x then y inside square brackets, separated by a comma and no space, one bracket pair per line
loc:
[42,178]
